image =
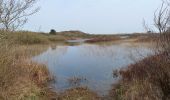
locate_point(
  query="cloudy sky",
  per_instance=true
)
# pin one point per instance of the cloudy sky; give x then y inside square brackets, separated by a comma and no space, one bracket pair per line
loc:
[93,16]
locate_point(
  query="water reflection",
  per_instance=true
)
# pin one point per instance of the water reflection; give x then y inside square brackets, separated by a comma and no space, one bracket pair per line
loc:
[92,62]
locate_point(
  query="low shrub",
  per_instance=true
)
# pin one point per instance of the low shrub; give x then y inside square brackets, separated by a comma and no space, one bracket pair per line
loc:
[52,32]
[148,79]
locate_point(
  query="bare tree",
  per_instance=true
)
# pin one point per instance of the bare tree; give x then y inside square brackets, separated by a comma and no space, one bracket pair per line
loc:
[162,18]
[146,27]
[162,23]
[14,13]
[166,1]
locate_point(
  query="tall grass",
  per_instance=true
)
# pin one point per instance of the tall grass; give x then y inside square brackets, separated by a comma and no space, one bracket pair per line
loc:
[20,79]
[80,93]
[148,79]
[29,38]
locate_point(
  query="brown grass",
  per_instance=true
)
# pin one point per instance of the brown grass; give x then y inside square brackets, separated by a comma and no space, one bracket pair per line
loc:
[148,79]
[102,39]
[32,38]
[20,78]
[80,93]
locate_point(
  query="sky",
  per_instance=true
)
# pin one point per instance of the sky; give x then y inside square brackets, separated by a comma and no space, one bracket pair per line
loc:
[93,16]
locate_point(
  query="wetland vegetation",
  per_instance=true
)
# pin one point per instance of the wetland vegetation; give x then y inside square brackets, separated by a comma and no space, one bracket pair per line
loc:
[73,65]
[48,71]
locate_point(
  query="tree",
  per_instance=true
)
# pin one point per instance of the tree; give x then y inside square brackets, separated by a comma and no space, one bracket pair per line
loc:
[14,13]
[162,18]
[166,1]
[52,32]
[162,24]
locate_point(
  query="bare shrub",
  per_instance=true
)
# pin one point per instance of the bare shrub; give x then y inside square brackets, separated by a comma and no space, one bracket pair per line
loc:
[20,79]
[14,13]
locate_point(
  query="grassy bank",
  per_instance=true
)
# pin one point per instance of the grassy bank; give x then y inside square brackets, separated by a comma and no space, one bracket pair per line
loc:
[24,38]
[21,79]
[31,38]
[148,79]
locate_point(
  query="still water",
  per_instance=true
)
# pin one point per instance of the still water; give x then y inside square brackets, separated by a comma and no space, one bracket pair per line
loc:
[93,63]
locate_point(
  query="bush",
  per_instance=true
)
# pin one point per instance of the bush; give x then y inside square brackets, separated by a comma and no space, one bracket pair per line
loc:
[148,79]
[53,32]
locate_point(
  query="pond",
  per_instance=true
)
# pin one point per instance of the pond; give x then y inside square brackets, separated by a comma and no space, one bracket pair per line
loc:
[91,65]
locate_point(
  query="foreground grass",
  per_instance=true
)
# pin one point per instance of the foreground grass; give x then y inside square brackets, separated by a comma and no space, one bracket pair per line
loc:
[79,93]
[21,79]
[148,79]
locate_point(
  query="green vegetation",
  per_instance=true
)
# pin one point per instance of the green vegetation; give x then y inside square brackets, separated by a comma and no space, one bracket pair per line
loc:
[33,38]
[28,38]
[74,34]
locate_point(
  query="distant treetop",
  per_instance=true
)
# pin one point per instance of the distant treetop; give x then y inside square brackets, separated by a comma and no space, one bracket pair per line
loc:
[52,32]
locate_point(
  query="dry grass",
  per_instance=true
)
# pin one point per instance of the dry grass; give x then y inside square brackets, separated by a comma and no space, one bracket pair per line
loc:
[148,79]
[102,38]
[21,79]
[78,94]
[32,38]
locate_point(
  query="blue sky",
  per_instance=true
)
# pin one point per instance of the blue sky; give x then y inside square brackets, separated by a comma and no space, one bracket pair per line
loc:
[93,16]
